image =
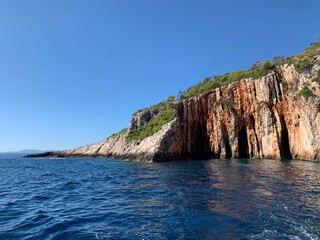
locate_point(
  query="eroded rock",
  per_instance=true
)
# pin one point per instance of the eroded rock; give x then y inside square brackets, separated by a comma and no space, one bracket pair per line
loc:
[249,118]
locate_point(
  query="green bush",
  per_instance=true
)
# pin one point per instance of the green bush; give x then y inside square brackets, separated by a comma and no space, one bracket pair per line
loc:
[120,132]
[165,115]
[160,106]
[153,126]
[259,69]
[304,64]
[311,51]
[278,60]
[304,60]
[317,79]
[285,84]
[226,102]
[306,92]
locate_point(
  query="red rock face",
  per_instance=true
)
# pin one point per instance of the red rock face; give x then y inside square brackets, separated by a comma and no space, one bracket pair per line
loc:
[249,118]
[192,120]
[245,119]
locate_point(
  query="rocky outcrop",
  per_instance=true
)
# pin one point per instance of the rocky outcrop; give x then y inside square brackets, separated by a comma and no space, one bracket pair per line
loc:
[251,118]
[142,117]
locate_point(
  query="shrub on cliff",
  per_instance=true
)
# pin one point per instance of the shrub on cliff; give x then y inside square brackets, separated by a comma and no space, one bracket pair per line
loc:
[306,92]
[305,60]
[278,60]
[285,84]
[304,64]
[226,103]
[120,132]
[311,51]
[165,115]
[153,126]
[258,69]
[317,79]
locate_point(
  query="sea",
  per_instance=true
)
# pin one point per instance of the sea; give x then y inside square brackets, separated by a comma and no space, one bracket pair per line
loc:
[97,198]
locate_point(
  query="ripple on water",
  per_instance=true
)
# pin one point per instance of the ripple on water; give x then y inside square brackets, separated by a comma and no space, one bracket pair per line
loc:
[109,199]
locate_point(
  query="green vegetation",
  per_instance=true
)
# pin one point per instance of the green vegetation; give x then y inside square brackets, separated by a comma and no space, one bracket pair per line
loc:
[165,115]
[311,51]
[306,92]
[278,60]
[305,60]
[163,105]
[226,102]
[153,126]
[285,85]
[303,64]
[259,69]
[120,132]
[317,78]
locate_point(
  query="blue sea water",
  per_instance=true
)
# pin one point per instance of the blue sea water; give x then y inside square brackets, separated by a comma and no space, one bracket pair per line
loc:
[81,198]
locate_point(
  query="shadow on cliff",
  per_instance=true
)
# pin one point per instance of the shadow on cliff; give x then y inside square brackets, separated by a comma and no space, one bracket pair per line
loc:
[284,145]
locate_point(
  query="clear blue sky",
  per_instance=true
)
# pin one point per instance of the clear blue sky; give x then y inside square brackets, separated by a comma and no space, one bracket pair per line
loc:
[73,71]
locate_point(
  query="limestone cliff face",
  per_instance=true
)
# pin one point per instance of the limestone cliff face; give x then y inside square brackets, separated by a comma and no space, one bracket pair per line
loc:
[254,118]
[251,118]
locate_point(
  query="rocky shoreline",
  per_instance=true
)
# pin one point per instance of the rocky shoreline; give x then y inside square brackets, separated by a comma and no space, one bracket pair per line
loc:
[250,118]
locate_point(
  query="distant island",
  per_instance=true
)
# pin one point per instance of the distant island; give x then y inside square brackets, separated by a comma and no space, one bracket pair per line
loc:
[271,110]
[24,151]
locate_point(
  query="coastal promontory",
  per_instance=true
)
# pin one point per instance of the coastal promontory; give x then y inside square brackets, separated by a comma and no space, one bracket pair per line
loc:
[271,110]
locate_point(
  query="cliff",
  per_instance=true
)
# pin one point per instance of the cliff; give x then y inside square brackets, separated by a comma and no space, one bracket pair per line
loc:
[273,116]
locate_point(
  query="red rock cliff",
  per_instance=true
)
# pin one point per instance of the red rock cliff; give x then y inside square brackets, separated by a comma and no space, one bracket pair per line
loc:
[250,118]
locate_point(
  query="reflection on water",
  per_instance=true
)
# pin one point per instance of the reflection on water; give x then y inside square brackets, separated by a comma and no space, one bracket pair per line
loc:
[110,199]
[277,193]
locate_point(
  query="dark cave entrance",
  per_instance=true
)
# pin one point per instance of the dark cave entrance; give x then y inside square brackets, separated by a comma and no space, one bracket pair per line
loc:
[243,144]
[284,147]
[228,148]
[201,145]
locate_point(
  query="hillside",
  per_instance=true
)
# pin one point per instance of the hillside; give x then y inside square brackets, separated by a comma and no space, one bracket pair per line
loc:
[268,111]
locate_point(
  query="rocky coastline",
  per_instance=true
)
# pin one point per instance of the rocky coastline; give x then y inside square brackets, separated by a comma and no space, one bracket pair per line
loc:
[250,118]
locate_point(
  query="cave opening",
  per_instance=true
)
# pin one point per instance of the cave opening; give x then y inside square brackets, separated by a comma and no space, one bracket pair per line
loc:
[201,146]
[243,144]
[285,147]
[228,147]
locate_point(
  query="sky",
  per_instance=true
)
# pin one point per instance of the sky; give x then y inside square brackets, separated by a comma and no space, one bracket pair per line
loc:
[72,72]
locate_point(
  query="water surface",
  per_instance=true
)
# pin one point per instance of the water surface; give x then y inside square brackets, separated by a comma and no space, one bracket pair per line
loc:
[79,198]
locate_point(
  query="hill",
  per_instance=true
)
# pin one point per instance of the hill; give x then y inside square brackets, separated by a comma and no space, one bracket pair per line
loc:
[271,110]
